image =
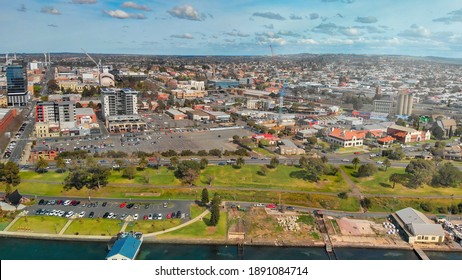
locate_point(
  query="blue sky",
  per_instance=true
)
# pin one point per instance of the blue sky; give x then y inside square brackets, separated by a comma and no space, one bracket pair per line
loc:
[233,27]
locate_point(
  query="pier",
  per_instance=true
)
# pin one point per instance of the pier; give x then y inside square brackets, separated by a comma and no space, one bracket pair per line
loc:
[325,235]
[421,254]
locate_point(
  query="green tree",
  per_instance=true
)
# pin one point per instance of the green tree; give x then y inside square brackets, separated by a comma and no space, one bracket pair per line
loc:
[400,122]
[60,164]
[77,178]
[303,162]
[343,195]
[421,172]
[98,176]
[366,170]
[215,210]
[205,196]
[240,162]
[215,152]
[395,178]
[129,172]
[274,162]
[355,162]
[209,179]
[188,171]
[41,165]
[8,189]
[387,163]
[438,132]
[9,173]
[366,203]
[143,163]
[203,163]
[174,161]
[263,170]
[448,176]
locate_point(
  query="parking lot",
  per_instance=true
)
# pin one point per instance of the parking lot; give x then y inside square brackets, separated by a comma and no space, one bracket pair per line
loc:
[113,209]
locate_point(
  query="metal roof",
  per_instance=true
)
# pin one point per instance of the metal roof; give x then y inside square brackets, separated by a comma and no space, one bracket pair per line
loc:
[127,247]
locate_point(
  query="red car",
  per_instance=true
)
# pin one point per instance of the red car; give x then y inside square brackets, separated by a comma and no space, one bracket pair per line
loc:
[169,215]
[145,217]
[271,206]
[357,153]
[122,205]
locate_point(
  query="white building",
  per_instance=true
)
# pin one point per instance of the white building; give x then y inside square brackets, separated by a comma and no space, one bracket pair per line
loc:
[418,227]
[117,102]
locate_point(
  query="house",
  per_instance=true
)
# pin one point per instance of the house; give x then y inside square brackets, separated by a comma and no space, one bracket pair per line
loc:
[386,141]
[346,138]
[417,227]
[14,198]
[288,147]
[407,134]
[268,137]
[452,153]
[125,248]
[448,126]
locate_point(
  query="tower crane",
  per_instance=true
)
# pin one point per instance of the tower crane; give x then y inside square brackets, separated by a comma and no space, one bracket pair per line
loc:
[98,66]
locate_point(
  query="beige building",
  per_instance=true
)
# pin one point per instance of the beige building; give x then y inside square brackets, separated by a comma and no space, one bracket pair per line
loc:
[417,227]
[404,103]
[46,130]
[189,94]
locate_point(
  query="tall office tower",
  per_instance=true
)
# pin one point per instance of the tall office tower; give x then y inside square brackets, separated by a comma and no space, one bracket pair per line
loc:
[16,80]
[119,102]
[404,103]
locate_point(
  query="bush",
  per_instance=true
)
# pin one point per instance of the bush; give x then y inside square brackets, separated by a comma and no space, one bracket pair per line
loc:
[366,170]
[427,207]
[343,195]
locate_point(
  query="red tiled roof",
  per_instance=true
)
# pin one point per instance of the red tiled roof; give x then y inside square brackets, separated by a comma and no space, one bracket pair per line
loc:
[386,139]
[347,135]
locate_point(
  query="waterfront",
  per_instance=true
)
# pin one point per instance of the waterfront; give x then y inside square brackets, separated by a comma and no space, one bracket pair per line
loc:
[27,249]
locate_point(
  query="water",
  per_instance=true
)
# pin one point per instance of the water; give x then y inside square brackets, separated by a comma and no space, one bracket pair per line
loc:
[26,249]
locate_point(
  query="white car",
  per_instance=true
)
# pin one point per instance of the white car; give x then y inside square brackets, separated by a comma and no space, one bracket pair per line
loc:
[345,160]
[110,215]
[82,214]
[259,205]
[69,214]
[379,162]
[135,217]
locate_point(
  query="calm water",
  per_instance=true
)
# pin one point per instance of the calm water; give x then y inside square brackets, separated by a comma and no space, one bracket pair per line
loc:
[19,249]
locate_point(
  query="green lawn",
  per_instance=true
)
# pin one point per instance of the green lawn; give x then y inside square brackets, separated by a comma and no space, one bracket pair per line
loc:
[39,224]
[388,204]
[263,152]
[379,184]
[282,177]
[152,226]
[196,210]
[98,226]
[200,229]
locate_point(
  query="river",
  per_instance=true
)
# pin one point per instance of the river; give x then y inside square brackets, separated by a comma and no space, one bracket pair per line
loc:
[33,249]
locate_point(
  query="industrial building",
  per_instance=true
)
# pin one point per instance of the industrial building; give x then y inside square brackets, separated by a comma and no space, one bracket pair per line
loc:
[404,103]
[417,227]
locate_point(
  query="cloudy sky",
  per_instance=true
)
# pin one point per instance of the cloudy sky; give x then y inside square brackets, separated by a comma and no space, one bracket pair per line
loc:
[233,27]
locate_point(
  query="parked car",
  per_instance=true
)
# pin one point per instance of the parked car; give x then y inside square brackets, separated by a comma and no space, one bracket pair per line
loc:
[271,206]
[357,153]
[345,160]
[91,215]
[82,214]
[104,204]
[291,208]
[122,205]
[259,205]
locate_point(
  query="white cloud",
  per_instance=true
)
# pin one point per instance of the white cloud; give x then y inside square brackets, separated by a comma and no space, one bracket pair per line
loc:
[369,19]
[308,42]
[186,12]
[236,33]
[269,15]
[350,31]
[133,5]
[416,31]
[84,1]
[120,14]
[50,10]
[183,36]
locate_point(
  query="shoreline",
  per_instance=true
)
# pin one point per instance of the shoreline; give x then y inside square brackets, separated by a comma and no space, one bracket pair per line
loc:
[94,238]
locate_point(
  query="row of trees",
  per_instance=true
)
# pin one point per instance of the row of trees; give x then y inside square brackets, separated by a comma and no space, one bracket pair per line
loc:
[213,152]
[214,207]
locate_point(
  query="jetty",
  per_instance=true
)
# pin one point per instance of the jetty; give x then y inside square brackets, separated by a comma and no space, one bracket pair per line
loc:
[421,254]
[325,235]
[126,246]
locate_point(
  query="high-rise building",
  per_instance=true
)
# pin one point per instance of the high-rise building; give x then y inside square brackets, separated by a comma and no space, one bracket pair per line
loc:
[16,80]
[55,112]
[404,103]
[383,106]
[119,102]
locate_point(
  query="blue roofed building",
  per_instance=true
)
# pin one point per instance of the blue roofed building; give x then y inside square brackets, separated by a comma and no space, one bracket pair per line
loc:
[125,248]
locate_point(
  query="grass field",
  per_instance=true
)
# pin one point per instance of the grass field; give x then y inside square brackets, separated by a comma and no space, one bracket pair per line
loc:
[200,229]
[379,184]
[386,204]
[263,152]
[96,226]
[39,224]
[152,226]
[282,177]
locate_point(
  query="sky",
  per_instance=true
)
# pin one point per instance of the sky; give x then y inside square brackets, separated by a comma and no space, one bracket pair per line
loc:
[233,27]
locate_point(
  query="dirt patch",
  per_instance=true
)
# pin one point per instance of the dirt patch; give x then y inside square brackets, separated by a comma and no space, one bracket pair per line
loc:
[270,227]
[355,227]
[143,194]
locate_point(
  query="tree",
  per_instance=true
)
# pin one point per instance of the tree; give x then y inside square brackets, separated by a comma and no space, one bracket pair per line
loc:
[366,203]
[366,170]
[400,122]
[421,172]
[263,170]
[209,179]
[215,152]
[303,162]
[387,163]
[188,171]
[343,195]
[9,173]
[174,161]
[41,165]
[8,189]
[215,210]
[205,196]
[60,164]
[129,172]
[355,162]
[203,163]
[97,176]
[274,162]
[395,178]
[448,176]
[438,132]
[143,163]
[240,162]
[77,178]
[397,154]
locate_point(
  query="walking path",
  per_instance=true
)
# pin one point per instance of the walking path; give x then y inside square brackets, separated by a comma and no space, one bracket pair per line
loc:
[202,215]
[354,189]
[61,232]
[12,223]
[124,227]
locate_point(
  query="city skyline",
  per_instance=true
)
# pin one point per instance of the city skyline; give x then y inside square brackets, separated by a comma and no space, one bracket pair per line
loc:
[420,28]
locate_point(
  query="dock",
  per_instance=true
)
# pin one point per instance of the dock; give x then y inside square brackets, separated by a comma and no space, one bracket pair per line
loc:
[421,254]
[325,235]
[126,247]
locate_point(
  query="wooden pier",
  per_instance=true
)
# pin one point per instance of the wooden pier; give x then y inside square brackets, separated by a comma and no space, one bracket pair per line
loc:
[325,235]
[421,254]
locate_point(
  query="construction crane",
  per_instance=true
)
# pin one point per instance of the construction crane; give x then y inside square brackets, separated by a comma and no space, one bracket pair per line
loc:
[98,66]
[281,91]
